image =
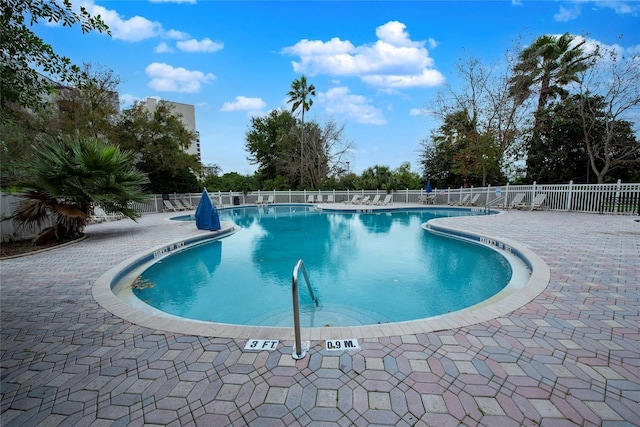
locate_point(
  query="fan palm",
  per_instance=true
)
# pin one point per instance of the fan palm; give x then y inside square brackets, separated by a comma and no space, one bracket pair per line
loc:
[300,98]
[69,178]
[550,63]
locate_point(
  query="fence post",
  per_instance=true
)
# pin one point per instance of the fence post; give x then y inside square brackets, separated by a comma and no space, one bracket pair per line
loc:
[506,196]
[616,202]
[568,208]
[533,193]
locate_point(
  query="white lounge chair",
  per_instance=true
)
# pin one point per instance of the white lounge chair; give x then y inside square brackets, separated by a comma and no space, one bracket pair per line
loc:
[364,201]
[260,200]
[354,200]
[269,199]
[169,207]
[517,200]
[183,205]
[462,202]
[537,203]
[388,200]
[428,199]
[319,198]
[310,198]
[329,198]
[474,200]
[375,200]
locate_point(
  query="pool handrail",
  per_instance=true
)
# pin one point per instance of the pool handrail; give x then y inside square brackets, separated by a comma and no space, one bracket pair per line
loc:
[298,351]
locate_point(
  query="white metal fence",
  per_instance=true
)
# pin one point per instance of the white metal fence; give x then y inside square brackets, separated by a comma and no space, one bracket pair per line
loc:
[617,199]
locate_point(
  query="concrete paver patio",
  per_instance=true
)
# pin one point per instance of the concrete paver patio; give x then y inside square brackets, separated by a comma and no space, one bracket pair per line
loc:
[569,357]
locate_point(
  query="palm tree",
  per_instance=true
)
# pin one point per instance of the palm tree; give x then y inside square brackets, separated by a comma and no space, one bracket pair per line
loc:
[548,65]
[300,99]
[69,178]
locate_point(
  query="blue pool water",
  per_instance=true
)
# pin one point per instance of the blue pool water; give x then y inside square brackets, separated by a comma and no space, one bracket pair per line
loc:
[365,268]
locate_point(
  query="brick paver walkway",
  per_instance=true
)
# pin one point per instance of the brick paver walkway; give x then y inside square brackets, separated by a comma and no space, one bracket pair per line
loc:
[569,357]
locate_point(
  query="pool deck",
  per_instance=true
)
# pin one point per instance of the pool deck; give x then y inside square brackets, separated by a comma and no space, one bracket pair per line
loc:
[571,356]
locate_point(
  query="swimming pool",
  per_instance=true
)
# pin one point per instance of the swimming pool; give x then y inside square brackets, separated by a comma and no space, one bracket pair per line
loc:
[365,268]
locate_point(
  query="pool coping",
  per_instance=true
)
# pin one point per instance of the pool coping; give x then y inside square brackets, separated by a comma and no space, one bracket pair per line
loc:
[501,304]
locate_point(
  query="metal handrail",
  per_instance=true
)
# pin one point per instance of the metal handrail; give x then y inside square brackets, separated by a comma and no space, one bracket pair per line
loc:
[298,351]
[493,202]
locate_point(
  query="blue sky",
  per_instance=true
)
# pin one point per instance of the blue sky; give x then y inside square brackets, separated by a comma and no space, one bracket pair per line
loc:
[376,66]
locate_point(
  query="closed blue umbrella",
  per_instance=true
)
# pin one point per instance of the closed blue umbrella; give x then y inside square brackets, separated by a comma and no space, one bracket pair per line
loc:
[429,189]
[207,217]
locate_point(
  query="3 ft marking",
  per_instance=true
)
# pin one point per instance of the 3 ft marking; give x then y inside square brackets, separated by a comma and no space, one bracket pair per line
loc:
[259,345]
[338,345]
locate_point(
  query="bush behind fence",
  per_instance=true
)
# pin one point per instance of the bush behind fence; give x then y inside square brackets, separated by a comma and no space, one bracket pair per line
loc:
[614,199]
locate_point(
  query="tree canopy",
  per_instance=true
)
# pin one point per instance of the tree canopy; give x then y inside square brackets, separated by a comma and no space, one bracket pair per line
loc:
[159,138]
[24,56]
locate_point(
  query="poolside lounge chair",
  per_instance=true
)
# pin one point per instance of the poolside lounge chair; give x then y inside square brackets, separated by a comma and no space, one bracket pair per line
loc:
[474,200]
[462,202]
[429,199]
[310,198]
[100,215]
[354,200]
[169,207]
[375,200]
[388,200]
[329,198]
[260,200]
[364,201]
[517,200]
[537,203]
[319,198]
[269,199]
[183,205]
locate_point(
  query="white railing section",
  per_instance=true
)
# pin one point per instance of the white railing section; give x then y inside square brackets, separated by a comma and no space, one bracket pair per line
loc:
[615,199]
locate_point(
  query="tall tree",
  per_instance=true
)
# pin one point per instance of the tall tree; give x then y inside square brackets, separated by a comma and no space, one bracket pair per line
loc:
[490,118]
[271,144]
[609,96]
[22,53]
[91,107]
[545,68]
[159,138]
[458,155]
[300,98]
[377,178]
[562,156]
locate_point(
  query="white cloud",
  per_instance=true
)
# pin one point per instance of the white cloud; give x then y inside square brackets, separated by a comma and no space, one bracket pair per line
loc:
[565,14]
[242,103]
[167,78]
[620,7]
[204,45]
[340,102]
[133,29]
[419,112]
[176,35]
[127,100]
[427,78]
[394,59]
[163,48]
